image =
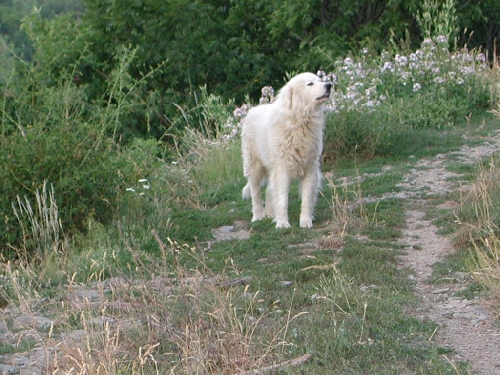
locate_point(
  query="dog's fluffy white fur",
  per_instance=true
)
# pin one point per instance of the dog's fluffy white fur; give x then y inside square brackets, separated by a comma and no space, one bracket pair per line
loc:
[281,142]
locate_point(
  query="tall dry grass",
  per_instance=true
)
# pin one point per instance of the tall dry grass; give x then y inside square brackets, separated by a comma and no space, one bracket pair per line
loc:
[480,219]
[166,320]
[42,232]
[347,210]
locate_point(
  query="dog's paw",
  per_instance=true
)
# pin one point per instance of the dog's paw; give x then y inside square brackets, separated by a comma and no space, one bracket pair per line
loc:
[306,223]
[282,224]
[258,216]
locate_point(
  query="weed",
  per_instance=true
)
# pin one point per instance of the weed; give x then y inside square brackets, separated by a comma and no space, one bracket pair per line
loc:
[347,212]
[479,217]
[438,19]
[41,226]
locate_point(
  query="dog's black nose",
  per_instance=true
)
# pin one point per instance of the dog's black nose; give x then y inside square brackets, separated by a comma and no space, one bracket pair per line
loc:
[328,86]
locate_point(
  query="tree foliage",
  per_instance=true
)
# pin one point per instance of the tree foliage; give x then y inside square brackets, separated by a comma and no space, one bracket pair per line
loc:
[234,47]
[237,46]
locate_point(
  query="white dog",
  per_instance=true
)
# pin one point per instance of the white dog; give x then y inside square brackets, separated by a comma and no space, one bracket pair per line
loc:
[283,141]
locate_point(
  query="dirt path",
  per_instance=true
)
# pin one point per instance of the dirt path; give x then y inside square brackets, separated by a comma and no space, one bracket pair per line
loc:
[467,327]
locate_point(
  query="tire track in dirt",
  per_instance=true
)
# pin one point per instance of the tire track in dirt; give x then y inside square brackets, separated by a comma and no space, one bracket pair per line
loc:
[466,327]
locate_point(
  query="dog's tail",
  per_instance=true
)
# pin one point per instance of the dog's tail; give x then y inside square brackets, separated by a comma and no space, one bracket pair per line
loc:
[246,191]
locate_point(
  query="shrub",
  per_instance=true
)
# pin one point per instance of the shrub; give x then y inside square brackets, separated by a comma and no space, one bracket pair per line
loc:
[52,134]
[80,168]
[378,99]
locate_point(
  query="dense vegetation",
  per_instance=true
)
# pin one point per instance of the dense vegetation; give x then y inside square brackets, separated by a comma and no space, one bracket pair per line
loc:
[119,154]
[97,94]
[233,47]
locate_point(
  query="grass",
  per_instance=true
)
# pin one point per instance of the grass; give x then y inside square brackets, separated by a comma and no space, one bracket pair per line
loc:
[336,292]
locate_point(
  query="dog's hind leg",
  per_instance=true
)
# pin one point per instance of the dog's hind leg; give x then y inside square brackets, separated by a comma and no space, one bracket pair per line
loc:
[255,177]
[309,192]
[245,193]
[269,200]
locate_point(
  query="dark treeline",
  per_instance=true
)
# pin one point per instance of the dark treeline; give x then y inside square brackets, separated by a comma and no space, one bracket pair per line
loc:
[233,46]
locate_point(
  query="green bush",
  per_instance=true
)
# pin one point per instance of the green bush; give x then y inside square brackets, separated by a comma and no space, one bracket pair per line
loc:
[379,99]
[81,169]
[51,133]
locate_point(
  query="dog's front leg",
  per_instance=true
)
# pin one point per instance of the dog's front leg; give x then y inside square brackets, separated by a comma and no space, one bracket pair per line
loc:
[280,186]
[309,192]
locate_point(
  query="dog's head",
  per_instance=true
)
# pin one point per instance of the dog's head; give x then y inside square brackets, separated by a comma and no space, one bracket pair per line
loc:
[305,90]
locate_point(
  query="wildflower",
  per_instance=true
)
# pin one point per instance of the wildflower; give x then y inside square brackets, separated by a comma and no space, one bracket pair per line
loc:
[417,87]
[467,70]
[401,60]
[331,78]
[267,92]
[466,57]
[441,39]
[143,180]
[385,55]
[130,189]
[405,76]
[147,187]
[428,42]
[414,66]
[371,91]
[240,111]
[438,80]
[388,66]
[428,46]
[364,51]
[332,107]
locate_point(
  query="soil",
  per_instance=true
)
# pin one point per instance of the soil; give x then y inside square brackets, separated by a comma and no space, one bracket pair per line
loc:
[468,327]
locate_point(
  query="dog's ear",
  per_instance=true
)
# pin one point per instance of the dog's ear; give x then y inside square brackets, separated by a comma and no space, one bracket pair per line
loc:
[287,95]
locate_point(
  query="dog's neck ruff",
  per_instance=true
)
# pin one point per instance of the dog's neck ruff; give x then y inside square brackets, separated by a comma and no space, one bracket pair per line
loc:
[312,118]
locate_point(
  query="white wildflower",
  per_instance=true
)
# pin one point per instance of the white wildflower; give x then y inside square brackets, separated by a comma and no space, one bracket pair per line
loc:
[438,80]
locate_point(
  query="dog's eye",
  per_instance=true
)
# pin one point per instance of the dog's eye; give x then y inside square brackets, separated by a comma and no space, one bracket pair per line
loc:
[310,84]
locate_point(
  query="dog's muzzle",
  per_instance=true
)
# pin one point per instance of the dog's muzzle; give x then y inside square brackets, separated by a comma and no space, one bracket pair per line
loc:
[328,87]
